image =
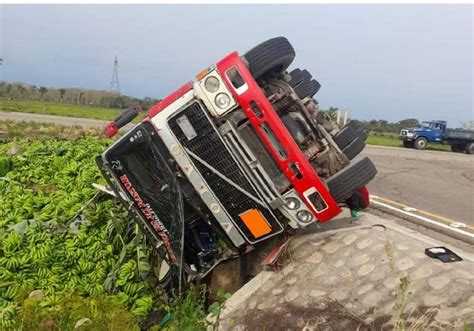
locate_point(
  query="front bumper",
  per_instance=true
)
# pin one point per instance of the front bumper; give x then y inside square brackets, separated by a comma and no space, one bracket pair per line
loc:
[272,132]
[405,135]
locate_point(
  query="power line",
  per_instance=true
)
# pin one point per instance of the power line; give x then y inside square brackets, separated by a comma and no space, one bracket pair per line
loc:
[114,84]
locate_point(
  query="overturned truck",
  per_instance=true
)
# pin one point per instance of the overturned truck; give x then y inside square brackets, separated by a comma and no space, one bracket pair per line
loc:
[228,161]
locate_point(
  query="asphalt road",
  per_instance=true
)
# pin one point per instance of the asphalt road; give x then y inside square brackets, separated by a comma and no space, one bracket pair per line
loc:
[438,182]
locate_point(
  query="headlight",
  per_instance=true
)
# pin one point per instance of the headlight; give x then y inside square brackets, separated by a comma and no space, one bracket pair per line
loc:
[222,100]
[211,84]
[304,216]
[292,203]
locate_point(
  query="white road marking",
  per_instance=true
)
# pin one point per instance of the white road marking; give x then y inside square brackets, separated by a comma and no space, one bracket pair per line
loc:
[458,225]
[424,219]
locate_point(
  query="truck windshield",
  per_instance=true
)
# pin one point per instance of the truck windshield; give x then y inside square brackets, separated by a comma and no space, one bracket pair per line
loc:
[138,162]
[431,125]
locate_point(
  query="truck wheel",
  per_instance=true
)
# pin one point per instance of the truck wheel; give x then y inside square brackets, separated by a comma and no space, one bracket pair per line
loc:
[408,144]
[458,148]
[421,143]
[307,88]
[347,181]
[298,76]
[470,148]
[348,133]
[354,148]
[270,57]
[359,200]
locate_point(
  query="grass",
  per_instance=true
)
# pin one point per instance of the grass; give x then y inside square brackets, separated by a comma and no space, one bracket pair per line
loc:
[10,130]
[391,140]
[402,288]
[383,141]
[73,312]
[59,109]
[421,319]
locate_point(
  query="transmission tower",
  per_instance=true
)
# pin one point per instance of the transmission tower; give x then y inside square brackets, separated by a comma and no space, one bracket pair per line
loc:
[114,83]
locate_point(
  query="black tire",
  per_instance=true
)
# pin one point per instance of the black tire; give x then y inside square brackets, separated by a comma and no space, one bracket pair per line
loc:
[361,134]
[270,57]
[354,148]
[458,148]
[420,143]
[470,148]
[408,144]
[307,89]
[357,174]
[348,133]
[359,200]
[358,129]
[298,76]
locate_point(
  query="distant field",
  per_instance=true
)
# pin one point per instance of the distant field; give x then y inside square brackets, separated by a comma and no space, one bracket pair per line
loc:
[383,141]
[393,141]
[51,108]
[60,109]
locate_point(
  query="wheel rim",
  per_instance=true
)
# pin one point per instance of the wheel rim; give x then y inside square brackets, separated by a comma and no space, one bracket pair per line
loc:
[471,149]
[422,144]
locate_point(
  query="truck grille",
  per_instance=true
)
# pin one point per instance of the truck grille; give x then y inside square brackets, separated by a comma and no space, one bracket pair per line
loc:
[252,166]
[208,145]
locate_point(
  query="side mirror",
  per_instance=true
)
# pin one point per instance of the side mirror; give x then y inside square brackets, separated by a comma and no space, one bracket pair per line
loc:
[111,128]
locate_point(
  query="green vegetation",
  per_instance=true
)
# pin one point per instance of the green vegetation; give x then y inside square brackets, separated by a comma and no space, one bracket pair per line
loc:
[383,141]
[73,96]
[51,108]
[10,130]
[59,236]
[74,312]
[71,257]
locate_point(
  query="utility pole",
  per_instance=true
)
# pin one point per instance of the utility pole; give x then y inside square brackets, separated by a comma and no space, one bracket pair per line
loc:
[114,84]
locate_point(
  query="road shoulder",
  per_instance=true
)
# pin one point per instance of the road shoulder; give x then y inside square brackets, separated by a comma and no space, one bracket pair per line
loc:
[361,276]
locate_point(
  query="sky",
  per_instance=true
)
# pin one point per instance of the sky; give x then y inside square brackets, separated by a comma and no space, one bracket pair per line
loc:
[377,61]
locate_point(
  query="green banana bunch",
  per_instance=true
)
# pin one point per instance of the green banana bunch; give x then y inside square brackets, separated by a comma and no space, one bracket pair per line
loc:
[142,306]
[50,242]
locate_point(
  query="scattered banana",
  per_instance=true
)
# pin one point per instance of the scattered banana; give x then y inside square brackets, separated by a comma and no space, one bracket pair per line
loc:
[43,248]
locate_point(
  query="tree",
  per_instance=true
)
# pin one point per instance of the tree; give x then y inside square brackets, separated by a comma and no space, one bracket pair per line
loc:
[62,92]
[98,98]
[32,92]
[81,96]
[20,89]
[43,90]
[332,112]
[119,102]
[8,89]
[145,103]
[409,122]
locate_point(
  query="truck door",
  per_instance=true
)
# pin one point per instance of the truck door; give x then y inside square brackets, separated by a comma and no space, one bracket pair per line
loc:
[138,161]
[437,131]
